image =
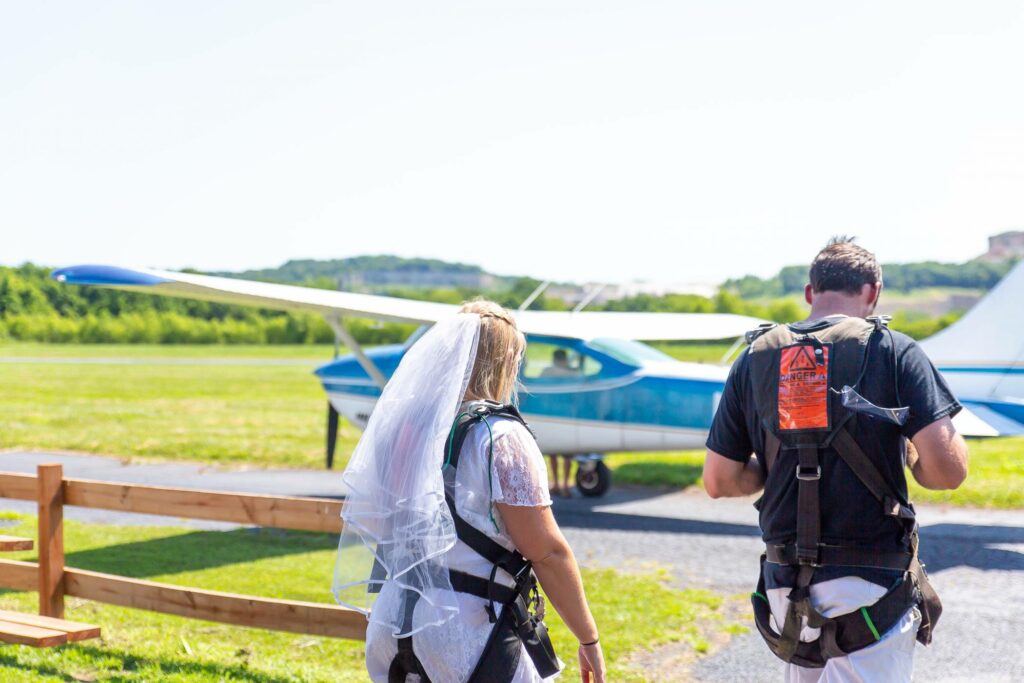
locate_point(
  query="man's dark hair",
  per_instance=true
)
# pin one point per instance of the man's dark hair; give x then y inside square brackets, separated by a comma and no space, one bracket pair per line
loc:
[843,266]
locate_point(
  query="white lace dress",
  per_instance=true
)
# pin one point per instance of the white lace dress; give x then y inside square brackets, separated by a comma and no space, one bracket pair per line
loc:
[450,652]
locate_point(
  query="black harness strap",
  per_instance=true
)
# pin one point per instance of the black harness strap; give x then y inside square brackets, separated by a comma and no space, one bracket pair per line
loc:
[858,461]
[854,631]
[771,450]
[516,628]
[406,662]
[850,556]
[839,635]
[808,520]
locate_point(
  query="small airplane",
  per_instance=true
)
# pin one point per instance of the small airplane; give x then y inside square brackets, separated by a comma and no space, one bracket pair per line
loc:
[587,390]
[590,386]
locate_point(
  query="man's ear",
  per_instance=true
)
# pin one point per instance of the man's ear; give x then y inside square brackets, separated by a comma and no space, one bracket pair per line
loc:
[809,294]
[876,293]
[871,294]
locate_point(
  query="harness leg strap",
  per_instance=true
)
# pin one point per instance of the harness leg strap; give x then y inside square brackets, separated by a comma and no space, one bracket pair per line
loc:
[799,607]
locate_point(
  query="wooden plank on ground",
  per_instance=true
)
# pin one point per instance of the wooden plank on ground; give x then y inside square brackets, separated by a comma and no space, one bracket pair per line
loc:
[12,543]
[20,634]
[242,610]
[18,575]
[17,486]
[286,512]
[76,631]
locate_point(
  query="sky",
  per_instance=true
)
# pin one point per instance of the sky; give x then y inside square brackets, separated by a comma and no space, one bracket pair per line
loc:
[568,140]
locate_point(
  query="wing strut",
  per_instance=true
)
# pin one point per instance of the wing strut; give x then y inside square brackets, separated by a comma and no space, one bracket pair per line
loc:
[591,295]
[340,332]
[732,349]
[534,294]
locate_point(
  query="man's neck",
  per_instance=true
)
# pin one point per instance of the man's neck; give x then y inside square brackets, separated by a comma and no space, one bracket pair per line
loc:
[818,314]
[836,303]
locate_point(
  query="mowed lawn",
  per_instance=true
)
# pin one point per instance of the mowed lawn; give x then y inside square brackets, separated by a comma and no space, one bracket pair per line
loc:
[274,415]
[253,414]
[636,611]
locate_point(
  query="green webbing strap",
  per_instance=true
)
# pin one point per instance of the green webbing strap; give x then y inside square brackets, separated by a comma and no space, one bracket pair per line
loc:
[490,482]
[871,624]
[755,594]
[451,437]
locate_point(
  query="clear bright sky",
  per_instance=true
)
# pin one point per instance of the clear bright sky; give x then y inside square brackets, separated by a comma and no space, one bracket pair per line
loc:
[589,140]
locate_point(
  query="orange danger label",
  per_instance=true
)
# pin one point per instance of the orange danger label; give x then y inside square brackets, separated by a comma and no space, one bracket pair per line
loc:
[803,388]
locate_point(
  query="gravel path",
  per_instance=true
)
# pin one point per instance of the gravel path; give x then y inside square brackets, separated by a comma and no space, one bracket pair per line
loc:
[975,557]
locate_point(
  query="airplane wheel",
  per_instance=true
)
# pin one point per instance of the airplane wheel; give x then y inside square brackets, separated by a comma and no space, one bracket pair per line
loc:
[593,479]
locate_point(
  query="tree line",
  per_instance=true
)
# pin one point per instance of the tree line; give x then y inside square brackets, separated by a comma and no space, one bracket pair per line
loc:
[35,308]
[903,277]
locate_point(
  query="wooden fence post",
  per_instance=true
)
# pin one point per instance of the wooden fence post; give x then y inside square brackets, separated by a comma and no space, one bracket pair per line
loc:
[51,540]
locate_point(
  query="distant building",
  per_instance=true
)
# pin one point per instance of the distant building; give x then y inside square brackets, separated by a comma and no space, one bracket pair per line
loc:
[598,293]
[638,287]
[1005,246]
[415,278]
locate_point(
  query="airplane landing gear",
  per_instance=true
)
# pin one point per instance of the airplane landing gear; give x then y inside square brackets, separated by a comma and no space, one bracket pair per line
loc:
[593,476]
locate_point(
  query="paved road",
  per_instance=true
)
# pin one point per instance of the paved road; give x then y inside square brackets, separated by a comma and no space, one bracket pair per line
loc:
[975,557]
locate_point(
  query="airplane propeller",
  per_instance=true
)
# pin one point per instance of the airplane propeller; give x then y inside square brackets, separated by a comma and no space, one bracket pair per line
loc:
[332,433]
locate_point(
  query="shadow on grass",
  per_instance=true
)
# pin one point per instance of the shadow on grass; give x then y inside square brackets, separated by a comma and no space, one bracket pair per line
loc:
[130,666]
[197,550]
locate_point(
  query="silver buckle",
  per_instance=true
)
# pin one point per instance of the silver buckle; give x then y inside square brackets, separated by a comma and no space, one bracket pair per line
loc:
[808,477]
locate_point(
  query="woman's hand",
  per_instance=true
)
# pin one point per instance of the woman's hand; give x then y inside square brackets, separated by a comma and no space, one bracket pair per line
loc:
[591,663]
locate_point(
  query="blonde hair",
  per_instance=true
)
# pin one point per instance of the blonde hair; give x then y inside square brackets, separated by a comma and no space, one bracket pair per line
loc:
[499,353]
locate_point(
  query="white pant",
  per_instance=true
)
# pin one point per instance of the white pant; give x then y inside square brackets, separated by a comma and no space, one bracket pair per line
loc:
[890,660]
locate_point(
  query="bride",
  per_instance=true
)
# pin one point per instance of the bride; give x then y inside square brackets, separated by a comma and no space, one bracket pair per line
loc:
[448,524]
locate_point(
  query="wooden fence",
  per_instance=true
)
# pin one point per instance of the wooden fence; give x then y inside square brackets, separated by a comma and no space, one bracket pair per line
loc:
[53,580]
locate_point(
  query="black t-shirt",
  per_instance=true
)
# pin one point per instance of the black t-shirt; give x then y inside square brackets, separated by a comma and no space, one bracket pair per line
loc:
[850,515]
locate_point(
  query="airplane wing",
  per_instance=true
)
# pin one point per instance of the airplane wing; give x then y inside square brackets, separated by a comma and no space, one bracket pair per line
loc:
[583,325]
[977,419]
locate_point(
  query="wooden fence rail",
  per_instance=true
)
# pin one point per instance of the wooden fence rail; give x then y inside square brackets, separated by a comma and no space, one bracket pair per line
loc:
[53,580]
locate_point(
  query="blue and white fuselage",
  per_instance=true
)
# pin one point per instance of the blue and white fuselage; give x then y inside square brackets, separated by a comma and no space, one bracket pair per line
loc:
[616,395]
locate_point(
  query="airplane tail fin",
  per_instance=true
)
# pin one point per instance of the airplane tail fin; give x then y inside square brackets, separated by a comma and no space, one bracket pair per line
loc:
[982,355]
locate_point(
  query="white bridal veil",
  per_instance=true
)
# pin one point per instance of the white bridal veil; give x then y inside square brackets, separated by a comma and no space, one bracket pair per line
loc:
[397,525]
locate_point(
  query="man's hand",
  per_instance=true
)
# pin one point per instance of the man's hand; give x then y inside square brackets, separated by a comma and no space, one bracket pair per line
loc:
[941,456]
[726,478]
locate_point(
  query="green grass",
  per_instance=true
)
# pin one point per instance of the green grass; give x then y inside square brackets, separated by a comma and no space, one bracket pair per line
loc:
[672,469]
[315,353]
[634,611]
[265,415]
[995,477]
[696,352]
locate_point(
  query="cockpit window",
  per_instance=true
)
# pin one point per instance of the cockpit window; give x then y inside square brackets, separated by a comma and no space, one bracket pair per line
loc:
[553,361]
[629,352]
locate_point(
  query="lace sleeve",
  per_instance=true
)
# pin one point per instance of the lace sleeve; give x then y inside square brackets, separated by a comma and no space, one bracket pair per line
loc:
[520,475]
